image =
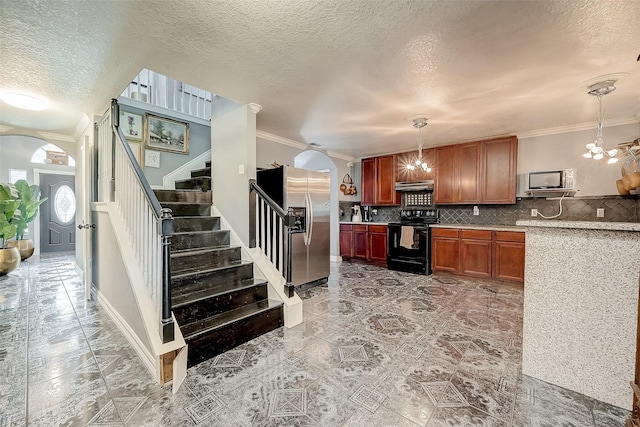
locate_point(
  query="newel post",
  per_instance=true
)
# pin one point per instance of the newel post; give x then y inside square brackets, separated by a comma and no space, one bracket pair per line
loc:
[166,230]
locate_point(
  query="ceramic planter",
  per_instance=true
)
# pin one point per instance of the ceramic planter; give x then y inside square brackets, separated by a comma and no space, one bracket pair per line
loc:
[25,247]
[9,260]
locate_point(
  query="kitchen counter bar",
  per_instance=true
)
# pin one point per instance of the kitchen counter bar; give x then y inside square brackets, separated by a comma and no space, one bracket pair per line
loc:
[480,227]
[581,306]
[364,223]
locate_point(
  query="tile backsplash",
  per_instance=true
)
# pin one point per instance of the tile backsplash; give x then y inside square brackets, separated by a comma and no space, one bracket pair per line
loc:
[616,209]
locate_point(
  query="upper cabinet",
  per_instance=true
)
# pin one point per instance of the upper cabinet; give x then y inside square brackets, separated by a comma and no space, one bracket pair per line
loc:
[379,181]
[418,174]
[481,172]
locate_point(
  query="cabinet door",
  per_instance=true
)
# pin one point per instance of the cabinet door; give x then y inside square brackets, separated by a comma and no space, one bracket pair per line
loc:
[509,261]
[360,244]
[500,170]
[446,186]
[368,184]
[475,257]
[468,169]
[377,247]
[346,244]
[445,254]
[385,180]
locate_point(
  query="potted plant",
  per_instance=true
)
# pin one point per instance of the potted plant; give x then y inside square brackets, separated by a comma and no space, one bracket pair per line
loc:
[9,256]
[28,197]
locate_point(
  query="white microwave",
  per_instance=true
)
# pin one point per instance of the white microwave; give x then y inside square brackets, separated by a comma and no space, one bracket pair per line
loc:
[560,179]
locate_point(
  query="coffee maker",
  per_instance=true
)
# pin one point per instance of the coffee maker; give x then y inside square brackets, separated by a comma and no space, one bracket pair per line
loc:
[366,213]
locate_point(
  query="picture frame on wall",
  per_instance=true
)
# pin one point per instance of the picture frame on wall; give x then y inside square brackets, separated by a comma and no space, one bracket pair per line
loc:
[131,125]
[161,133]
[151,159]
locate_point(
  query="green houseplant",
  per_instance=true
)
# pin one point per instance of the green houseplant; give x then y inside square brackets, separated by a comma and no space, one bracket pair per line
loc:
[28,197]
[9,256]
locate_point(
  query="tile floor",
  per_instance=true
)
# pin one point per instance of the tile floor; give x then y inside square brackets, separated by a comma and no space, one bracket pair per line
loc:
[378,348]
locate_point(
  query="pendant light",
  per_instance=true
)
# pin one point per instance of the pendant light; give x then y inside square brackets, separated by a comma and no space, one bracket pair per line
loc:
[595,149]
[419,123]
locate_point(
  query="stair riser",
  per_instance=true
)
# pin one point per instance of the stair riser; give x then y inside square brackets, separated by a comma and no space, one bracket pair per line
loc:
[201,173]
[188,209]
[219,303]
[205,223]
[200,240]
[206,260]
[232,335]
[233,274]
[203,184]
[183,196]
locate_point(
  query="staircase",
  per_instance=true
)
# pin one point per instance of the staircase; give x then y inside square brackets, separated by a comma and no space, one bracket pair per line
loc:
[215,298]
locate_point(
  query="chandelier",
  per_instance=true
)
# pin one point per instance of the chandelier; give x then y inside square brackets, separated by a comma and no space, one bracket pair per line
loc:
[419,123]
[595,149]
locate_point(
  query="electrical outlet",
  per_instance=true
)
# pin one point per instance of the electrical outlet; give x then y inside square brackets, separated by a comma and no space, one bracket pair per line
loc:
[600,212]
[534,212]
[476,211]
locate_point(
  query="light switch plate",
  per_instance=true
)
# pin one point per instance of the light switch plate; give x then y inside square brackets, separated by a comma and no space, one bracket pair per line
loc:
[241,169]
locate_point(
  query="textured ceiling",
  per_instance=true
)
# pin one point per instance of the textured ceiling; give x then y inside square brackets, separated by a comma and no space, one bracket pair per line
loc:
[343,74]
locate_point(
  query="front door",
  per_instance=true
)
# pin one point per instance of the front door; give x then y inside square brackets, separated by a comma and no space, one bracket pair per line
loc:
[58,213]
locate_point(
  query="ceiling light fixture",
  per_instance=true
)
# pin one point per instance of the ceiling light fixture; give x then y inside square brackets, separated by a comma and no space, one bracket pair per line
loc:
[26,102]
[419,123]
[595,149]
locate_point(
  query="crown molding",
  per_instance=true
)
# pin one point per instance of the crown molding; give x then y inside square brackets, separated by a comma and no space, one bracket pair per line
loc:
[256,108]
[577,128]
[299,145]
[82,125]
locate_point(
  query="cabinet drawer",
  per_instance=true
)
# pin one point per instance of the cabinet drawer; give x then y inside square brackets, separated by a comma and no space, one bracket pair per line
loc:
[509,236]
[444,232]
[377,229]
[360,228]
[346,227]
[476,234]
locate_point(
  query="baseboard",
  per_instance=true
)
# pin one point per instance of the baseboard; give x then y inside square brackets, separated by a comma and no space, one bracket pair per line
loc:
[337,259]
[147,358]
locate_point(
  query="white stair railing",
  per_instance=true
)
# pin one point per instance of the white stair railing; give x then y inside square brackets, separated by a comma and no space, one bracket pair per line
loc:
[148,226]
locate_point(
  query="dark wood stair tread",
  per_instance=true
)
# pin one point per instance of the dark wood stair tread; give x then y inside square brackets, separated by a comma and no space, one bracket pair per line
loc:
[202,327]
[198,251]
[186,298]
[208,271]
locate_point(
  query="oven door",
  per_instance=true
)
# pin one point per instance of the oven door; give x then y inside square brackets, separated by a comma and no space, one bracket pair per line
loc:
[408,248]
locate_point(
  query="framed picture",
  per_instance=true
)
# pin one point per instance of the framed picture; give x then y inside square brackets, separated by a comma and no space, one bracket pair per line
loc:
[136,148]
[131,125]
[151,159]
[165,134]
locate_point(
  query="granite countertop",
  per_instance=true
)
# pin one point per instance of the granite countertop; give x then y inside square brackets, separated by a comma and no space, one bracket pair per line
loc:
[515,228]
[364,223]
[585,225]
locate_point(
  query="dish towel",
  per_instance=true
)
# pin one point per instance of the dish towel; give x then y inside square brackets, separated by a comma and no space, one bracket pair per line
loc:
[406,237]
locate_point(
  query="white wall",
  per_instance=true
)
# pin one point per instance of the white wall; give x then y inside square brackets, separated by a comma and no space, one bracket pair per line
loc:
[111,279]
[564,151]
[233,146]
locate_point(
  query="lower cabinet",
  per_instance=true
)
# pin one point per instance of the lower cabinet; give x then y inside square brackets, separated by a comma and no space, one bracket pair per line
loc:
[479,253]
[363,241]
[508,255]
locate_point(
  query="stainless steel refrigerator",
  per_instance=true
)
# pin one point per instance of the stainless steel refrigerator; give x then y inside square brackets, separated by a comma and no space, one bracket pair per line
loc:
[300,188]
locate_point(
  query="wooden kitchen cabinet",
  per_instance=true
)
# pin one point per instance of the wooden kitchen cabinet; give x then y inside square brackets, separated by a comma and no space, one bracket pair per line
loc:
[445,250]
[508,255]
[346,240]
[363,241]
[377,243]
[360,241]
[475,256]
[479,253]
[480,172]
[418,174]
[378,186]
[500,170]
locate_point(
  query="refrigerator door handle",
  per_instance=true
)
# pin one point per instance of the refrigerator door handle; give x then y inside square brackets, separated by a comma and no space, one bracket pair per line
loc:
[305,236]
[310,221]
